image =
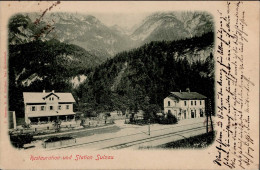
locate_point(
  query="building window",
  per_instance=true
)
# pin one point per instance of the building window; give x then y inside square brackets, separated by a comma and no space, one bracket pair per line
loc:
[174,103]
[67,107]
[59,107]
[33,108]
[191,102]
[169,103]
[195,102]
[50,98]
[51,107]
[42,108]
[200,102]
[185,103]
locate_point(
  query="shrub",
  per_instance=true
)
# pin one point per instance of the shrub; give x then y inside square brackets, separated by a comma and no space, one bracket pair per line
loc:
[19,140]
[26,126]
[56,125]
[170,119]
[77,117]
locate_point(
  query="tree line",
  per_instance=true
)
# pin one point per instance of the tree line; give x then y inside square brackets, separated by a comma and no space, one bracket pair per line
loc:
[149,74]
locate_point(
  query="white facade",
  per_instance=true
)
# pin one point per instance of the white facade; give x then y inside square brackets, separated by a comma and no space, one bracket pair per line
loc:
[185,108]
[46,107]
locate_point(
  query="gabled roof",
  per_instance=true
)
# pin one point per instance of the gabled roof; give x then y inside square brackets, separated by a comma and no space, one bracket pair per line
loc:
[173,97]
[188,95]
[50,95]
[39,97]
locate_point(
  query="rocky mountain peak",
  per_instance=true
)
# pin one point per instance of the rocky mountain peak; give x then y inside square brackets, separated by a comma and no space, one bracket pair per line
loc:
[173,26]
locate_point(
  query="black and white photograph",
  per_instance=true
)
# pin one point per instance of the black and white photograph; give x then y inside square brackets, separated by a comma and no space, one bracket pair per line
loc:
[129,85]
[111,81]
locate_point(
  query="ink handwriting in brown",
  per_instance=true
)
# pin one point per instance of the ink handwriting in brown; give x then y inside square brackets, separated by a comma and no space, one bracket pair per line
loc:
[233,142]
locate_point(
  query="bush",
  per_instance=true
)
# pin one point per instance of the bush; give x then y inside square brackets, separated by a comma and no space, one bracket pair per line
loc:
[170,119]
[77,117]
[56,125]
[26,126]
[19,140]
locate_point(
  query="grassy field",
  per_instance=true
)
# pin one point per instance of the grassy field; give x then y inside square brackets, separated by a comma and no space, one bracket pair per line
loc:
[200,141]
[195,142]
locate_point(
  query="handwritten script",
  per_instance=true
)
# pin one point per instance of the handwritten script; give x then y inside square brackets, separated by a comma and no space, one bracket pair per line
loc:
[47,28]
[233,142]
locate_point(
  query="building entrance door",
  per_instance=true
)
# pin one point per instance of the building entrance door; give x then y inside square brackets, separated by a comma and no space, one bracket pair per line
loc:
[192,114]
[201,113]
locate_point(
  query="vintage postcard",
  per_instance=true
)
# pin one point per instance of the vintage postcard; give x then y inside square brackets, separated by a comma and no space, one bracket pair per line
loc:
[129,85]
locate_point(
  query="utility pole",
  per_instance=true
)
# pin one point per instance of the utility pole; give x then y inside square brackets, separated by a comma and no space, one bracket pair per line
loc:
[210,113]
[207,126]
[149,127]
[207,110]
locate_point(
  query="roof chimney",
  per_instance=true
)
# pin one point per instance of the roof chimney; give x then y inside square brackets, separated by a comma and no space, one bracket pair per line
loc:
[188,90]
[180,91]
[43,91]
[52,91]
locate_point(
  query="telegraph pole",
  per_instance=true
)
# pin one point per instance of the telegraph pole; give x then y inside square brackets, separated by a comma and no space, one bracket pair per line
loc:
[149,132]
[207,126]
[210,113]
[207,110]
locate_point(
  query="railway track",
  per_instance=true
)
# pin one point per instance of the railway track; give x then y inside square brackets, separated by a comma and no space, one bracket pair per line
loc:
[132,143]
[154,138]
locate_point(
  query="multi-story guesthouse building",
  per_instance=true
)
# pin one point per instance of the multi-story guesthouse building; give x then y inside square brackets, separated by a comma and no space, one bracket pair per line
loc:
[45,107]
[185,105]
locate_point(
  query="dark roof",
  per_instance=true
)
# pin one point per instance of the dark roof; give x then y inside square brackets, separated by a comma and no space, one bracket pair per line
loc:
[188,95]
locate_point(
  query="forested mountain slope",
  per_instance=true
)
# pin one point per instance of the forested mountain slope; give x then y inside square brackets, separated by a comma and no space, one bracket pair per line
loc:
[153,71]
[37,62]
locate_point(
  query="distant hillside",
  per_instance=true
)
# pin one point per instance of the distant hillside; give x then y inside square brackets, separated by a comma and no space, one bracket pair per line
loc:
[95,37]
[74,53]
[38,65]
[85,31]
[152,71]
[171,26]
[34,57]
[50,60]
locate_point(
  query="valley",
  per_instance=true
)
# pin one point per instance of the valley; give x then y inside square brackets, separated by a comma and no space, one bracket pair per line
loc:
[107,68]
